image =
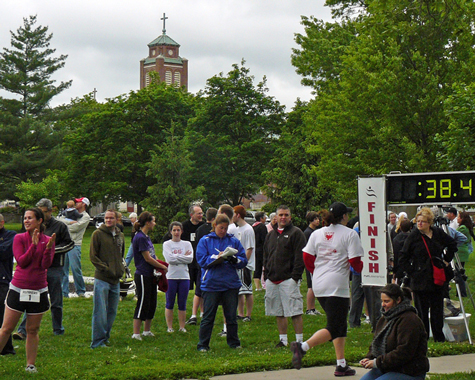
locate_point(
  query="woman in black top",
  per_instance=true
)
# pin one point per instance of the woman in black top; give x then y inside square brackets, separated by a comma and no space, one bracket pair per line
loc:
[415,260]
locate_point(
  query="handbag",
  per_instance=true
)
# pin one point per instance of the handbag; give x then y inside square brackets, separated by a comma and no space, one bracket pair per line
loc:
[438,273]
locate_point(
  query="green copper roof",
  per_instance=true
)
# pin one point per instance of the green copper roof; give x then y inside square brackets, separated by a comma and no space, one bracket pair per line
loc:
[163,40]
[167,60]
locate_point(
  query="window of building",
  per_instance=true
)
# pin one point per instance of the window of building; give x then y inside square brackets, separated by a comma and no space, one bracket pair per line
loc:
[147,78]
[177,78]
[168,77]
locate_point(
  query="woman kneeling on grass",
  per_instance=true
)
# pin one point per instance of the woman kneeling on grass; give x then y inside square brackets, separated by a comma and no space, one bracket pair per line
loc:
[178,253]
[220,282]
[145,262]
[34,253]
[399,348]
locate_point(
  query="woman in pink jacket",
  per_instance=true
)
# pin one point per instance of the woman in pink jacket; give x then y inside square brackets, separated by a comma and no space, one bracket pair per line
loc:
[34,252]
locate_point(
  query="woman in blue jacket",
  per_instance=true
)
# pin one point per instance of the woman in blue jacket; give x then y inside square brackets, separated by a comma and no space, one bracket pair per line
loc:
[219,283]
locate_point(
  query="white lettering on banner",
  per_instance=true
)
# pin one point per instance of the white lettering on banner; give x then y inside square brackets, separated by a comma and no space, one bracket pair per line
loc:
[372,223]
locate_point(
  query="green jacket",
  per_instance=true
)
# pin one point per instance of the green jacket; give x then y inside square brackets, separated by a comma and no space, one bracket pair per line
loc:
[106,253]
[463,249]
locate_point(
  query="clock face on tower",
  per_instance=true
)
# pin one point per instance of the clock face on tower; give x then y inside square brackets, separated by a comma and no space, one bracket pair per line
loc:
[170,52]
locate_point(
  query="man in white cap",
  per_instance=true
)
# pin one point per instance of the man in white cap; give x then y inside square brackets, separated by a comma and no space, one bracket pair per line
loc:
[73,257]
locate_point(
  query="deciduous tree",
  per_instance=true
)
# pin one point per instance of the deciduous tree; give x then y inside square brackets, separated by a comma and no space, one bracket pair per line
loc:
[233,135]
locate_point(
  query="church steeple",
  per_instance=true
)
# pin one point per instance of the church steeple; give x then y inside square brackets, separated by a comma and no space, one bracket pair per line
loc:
[164,59]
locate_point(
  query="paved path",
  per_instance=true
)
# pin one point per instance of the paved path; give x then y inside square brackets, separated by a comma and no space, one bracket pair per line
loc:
[443,364]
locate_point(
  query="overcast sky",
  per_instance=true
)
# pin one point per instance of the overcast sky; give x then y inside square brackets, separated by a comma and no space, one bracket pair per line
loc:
[105,40]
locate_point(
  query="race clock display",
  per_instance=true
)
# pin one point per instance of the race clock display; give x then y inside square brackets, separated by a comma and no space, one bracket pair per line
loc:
[431,188]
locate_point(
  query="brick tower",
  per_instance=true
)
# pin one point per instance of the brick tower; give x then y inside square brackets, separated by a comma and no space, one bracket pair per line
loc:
[163,58]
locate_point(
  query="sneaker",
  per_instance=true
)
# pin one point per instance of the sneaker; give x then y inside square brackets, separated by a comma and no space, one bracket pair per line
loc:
[170,330]
[31,368]
[239,318]
[191,321]
[19,336]
[312,312]
[296,348]
[203,349]
[344,371]
[136,336]
[223,334]
[281,344]
[367,321]
[246,319]
[182,330]
[148,333]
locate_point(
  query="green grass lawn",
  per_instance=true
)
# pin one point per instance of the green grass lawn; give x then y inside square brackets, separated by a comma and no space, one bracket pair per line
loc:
[174,356]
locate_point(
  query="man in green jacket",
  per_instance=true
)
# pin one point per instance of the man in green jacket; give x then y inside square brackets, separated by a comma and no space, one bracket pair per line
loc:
[106,253]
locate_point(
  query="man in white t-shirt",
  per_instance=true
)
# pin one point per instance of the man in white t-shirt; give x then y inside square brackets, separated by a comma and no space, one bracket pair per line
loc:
[245,234]
[452,216]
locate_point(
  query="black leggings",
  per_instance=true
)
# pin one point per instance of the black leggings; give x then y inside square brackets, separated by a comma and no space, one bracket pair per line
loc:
[336,309]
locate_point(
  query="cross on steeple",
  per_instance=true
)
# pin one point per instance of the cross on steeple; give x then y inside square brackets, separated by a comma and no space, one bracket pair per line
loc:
[164,19]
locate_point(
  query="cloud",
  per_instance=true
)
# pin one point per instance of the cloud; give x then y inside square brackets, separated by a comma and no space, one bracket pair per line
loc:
[105,40]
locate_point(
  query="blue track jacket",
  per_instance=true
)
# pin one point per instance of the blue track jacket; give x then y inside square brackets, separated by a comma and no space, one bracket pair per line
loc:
[220,277]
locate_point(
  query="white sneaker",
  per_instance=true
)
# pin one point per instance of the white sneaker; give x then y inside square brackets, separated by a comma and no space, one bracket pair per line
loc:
[31,368]
[170,330]
[136,336]
[182,329]
[148,333]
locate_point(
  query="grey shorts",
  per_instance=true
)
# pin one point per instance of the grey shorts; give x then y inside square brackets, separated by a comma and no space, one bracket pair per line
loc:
[284,299]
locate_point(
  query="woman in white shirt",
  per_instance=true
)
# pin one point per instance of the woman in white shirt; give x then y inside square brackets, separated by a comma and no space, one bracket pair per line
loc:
[328,255]
[178,253]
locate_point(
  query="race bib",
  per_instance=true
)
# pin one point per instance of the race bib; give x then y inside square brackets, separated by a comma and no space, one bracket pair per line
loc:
[27,295]
[192,236]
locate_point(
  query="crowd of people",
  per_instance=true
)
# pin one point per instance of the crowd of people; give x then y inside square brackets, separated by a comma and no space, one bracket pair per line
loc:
[223,260]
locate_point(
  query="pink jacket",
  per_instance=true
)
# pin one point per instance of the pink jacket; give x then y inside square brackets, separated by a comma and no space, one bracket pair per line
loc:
[32,261]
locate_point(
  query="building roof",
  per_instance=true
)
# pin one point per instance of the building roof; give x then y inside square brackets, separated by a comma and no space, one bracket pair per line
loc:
[178,60]
[163,40]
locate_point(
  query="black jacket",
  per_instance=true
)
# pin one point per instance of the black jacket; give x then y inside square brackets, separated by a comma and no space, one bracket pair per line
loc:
[63,242]
[415,260]
[283,258]
[398,244]
[260,232]
[6,255]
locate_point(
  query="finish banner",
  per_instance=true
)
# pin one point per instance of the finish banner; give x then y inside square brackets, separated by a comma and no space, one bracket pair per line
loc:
[372,223]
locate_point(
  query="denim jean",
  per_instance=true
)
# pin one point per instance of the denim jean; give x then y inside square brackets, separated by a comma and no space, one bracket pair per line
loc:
[211,300]
[55,280]
[130,255]
[73,257]
[376,373]
[106,300]
[357,300]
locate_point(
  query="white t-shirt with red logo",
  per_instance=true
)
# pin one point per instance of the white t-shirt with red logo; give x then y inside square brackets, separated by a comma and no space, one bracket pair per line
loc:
[332,247]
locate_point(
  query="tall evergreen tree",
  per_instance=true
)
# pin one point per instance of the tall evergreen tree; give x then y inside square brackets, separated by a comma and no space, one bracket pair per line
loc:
[30,141]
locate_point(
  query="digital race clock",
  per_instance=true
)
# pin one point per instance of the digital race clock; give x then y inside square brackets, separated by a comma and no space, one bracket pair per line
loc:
[431,188]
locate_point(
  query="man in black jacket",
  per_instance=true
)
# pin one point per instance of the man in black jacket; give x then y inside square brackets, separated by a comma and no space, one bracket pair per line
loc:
[283,268]
[55,272]
[6,270]
[260,231]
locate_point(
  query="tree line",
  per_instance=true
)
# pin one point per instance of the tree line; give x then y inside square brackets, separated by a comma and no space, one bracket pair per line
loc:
[393,91]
